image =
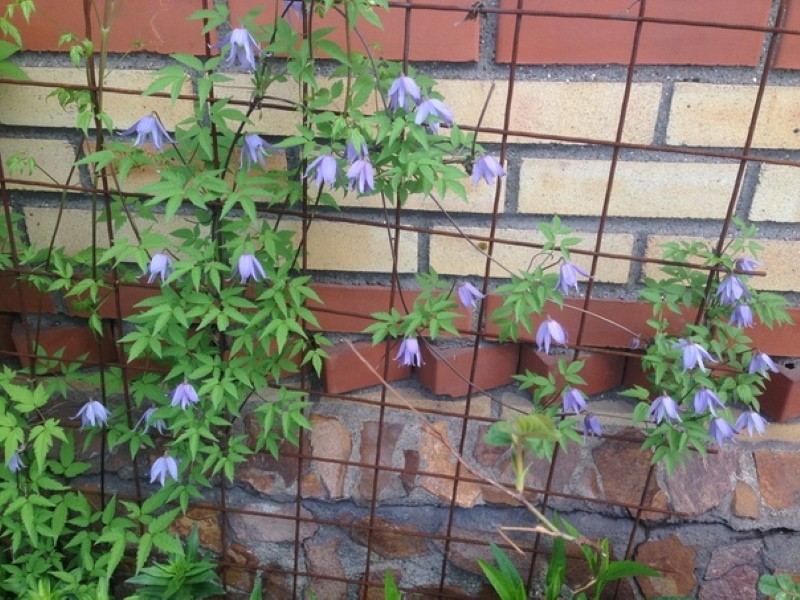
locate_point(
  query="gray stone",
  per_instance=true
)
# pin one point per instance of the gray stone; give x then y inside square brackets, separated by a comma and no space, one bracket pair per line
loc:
[275,523]
[702,483]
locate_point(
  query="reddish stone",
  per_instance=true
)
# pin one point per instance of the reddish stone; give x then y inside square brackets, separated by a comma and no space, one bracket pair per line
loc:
[446,371]
[725,558]
[745,504]
[676,563]
[242,576]
[207,522]
[702,482]
[389,540]
[369,443]
[408,477]
[22,297]
[623,471]
[273,523]
[311,486]
[70,342]
[601,371]
[435,450]
[286,464]
[344,369]
[323,560]
[434,593]
[740,583]
[780,489]
[781,399]
[330,439]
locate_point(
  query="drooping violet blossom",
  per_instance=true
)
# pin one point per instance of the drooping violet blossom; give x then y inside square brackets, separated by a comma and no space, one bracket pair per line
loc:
[93,413]
[761,363]
[487,168]
[184,395]
[720,430]
[149,128]
[325,169]
[752,421]
[568,276]
[254,151]
[362,176]
[693,354]
[573,401]
[746,263]
[160,266]
[15,463]
[731,290]
[742,315]
[409,353]
[402,92]
[435,108]
[353,153]
[468,295]
[248,268]
[243,48]
[591,425]
[706,400]
[163,467]
[293,5]
[550,331]
[146,421]
[664,406]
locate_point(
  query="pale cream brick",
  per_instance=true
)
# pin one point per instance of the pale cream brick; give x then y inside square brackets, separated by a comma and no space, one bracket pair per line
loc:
[777,196]
[29,105]
[53,158]
[719,115]
[360,248]
[456,256]
[576,109]
[782,272]
[641,189]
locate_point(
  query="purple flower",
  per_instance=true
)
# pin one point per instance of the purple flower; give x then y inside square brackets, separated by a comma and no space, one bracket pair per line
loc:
[742,315]
[436,108]
[591,425]
[745,263]
[361,176]
[549,331]
[248,267]
[693,354]
[160,266]
[353,153]
[162,467]
[15,463]
[720,430]
[184,395]
[664,406]
[148,127]
[574,401]
[468,295]
[242,48]
[761,363]
[705,400]
[751,420]
[254,151]
[325,169]
[402,92]
[487,168]
[295,5]
[568,276]
[731,290]
[145,420]
[409,353]
[92,413]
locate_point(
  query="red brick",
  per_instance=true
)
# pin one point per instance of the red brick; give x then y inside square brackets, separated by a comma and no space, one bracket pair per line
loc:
[75,341]
[560,40]
[789,45]
[22,297]
[6,341]
[129,295]
[781,399]
[447,371]
[344,371]
[602,372]
[435,35]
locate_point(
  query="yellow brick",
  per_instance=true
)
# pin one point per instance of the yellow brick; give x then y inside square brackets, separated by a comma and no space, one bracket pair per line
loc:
[28,105]
[360,248]
[719,115]
[456,256]
[576,109]
[641,189]
[782,274]
[53,157]
[776,197]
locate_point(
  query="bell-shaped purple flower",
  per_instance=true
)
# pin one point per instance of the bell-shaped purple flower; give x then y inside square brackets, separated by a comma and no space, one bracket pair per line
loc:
[752,421]
[550,331]
[160,266]
[402,92]
[693,354]
[184,395]
[409,353]
[162,468]
[254,151]
[243,48]
[742,315]
[468,295]
[93,413]
[761,363]
[731,290]
[706,400]
[354,150]
[568,276]
[248,268]
[591,425]
[149,128]
[325,169]
[574,401]
[361,176]
[15,463]
[487,168]
[746,263]
[433,108]
[720,430]
[146,421]
[664,406]
[293,5]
